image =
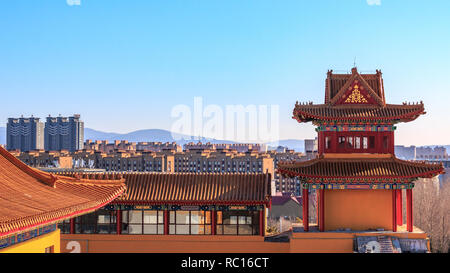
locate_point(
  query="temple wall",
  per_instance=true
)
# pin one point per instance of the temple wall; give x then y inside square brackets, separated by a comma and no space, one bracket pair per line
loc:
[303,242]
[339,242]
[37,245]
[358,209]
[94,243]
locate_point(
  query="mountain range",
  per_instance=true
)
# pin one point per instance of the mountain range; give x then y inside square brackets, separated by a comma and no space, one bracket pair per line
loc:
[150,135]
[154,135]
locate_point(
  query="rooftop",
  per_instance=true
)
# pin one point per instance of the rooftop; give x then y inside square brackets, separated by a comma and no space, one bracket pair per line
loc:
[192,188]
[31,198]
[347,168]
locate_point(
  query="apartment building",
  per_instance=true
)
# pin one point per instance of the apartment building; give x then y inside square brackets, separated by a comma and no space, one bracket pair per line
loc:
[24,134]
[64,133]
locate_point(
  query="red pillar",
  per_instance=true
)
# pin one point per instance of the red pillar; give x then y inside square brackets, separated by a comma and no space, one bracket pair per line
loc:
[119,221]
[322,210]
[261,222]
[399,207]
[305,205]
[409,210]
[321,142]
[166,222]
[72,225]
[213,222]
[391,144]
[317,207]
[394,210]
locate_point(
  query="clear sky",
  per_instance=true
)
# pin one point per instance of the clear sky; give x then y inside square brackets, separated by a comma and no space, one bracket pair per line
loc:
[124,65]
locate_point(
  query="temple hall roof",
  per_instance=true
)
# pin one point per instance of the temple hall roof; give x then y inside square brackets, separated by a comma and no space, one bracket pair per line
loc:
[344,169]
[30,198]
[195,188]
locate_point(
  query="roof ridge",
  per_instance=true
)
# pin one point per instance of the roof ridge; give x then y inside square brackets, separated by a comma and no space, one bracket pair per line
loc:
[39,175]
[347,84]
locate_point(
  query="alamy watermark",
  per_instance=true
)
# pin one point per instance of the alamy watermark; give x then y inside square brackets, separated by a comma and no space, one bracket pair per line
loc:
[73,2]
[251,123]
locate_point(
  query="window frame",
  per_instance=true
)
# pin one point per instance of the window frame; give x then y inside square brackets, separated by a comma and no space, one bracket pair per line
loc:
[254,225]
[207,223]
[126,224]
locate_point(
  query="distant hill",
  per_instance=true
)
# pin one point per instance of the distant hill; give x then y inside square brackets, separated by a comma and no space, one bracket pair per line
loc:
[148,135]
[296,144]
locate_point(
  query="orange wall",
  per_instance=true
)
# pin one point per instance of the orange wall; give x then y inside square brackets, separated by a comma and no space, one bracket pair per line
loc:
[304,242]
[358,209]
[338,242]
[86,243]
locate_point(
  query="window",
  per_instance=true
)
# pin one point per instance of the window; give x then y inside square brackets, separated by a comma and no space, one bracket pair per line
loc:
[341,141]
[64,226]
[357,142]
[385,142]
[238,222]
[50,249]
[101,221]
[365,146]
[142,222]
[350,142]
[327,143]
[190,222]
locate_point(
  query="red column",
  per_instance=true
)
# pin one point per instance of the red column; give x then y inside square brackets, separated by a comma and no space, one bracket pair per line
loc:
[335,142]
[321,210]
[394,210]
[166,222]
[409,210]
[72,225]
[317,207]
[119,221]
[305,205]
[213,222]
[399,207]
[321,142]
[391,143]
[378,143]
[261,222]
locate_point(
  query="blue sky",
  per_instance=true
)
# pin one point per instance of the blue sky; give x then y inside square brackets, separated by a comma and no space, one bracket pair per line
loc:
[123,65]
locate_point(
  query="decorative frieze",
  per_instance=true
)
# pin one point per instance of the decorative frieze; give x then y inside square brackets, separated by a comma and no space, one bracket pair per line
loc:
[370,186]
[25,236]
[356,128]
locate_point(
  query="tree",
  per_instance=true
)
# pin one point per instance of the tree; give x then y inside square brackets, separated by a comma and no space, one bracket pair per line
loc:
[431,211]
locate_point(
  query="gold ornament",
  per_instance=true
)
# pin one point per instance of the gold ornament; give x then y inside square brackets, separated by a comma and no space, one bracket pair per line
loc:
[356,97]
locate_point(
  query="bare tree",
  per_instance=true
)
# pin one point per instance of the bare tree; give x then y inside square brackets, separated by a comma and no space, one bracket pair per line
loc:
[313,206]
[431,211]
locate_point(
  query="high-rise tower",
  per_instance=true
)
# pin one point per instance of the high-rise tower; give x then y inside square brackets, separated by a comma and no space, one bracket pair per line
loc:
[64,133]
[24,134]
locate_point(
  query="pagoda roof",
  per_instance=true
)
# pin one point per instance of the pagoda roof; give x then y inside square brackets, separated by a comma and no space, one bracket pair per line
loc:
[356,98]
[336,84]
[344,169]
[357,113]
[30,198]
[194,188]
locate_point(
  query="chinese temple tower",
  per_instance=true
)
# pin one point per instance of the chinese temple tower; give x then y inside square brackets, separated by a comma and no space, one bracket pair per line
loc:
[357,178]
